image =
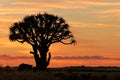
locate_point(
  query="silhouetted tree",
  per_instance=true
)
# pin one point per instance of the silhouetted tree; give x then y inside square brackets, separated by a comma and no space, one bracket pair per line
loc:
[40,31]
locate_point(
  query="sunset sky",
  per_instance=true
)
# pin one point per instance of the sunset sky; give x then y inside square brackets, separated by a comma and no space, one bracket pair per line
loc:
[95,25]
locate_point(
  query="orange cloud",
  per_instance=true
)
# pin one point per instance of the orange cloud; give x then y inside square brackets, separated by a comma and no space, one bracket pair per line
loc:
[83,57]
[7,57]
[21,10]
[101,3]
[66,4]
[108,12]
[27,7]
[51,4]
[8,19]
[85,24]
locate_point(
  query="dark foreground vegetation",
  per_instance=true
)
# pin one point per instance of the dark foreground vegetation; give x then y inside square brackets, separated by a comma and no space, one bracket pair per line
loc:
[67,73]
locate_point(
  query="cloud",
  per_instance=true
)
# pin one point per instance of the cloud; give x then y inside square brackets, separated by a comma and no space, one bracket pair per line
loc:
[67,3]
[81,57]
[7,57]
[27,7]
[110,12]
[77,57]
[86,24]
[101,3]
[8,19]
[21,10]
[51,4]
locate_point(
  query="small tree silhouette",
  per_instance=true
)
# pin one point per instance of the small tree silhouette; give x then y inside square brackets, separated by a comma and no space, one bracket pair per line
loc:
[40,31]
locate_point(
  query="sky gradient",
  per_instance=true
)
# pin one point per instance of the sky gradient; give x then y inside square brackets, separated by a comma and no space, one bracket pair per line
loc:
[94,23]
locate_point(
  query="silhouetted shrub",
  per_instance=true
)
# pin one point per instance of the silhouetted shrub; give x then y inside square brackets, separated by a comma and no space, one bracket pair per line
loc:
[23,67]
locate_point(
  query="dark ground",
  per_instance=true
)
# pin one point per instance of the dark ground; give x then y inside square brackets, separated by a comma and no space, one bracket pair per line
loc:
[66,73]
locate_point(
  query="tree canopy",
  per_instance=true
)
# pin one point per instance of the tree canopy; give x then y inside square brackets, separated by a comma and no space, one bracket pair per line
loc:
[41,29]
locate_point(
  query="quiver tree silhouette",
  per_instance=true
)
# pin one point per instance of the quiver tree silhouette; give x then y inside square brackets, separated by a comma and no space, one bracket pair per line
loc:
[40,31]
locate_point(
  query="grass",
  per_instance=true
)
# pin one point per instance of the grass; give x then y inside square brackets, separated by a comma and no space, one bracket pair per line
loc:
[68,73]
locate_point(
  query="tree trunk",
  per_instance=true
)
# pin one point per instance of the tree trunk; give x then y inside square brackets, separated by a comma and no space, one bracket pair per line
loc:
[40,56]
[36,56]
[41,60]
